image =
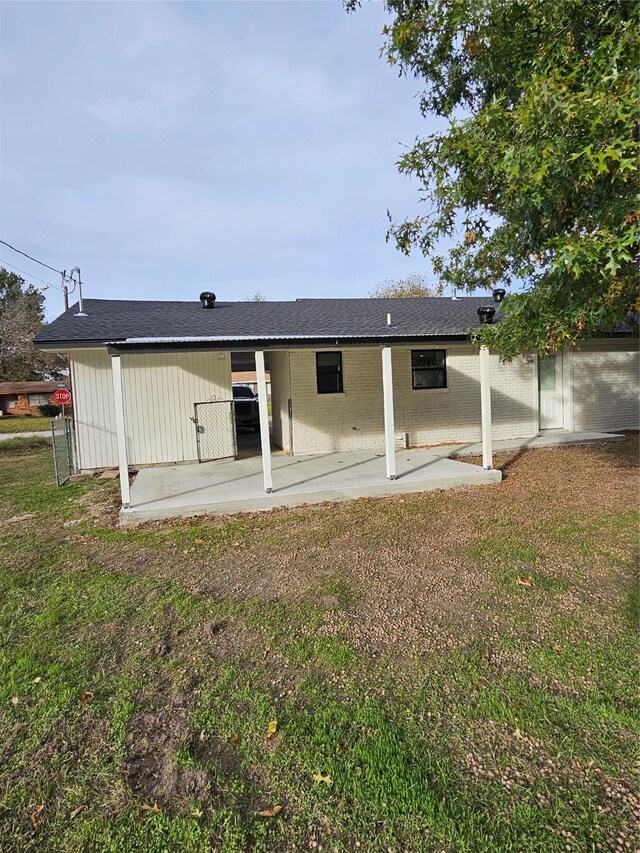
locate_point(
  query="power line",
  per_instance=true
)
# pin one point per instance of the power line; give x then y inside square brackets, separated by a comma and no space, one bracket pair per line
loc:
[24,272]
[42,263]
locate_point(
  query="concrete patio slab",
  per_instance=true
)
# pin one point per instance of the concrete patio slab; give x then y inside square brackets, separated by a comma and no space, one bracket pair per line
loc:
[236,485]
[226,486]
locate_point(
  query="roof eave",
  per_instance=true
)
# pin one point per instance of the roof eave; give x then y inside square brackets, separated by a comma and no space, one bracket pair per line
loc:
[299,342]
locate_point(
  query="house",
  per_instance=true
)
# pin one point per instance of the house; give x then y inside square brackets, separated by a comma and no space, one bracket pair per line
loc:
[152,379]
[25,398]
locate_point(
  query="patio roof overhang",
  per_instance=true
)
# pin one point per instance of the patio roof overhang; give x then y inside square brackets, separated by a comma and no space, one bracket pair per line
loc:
[190,344]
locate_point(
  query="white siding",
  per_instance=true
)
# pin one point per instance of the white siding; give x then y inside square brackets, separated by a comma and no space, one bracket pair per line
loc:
[334,422]
[280,392]
[605,385]
[159,392]
[93,408]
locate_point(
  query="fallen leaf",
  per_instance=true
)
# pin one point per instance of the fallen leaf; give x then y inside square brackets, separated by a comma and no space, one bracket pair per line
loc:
[203,735]
[272,812]
[87,696]
[15,700]
[272,728]
[77,811]
[155,808]
[528,581]
[323,777]
[518,735]
[37,680]
[199,541]
[234,739]
[35,817]
[197,813]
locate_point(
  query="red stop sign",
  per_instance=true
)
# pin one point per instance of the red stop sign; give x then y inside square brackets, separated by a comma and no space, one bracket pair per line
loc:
[62,396]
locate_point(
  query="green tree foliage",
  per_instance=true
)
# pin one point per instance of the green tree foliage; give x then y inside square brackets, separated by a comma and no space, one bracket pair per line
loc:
[21,318]
[412,285]
[534,179]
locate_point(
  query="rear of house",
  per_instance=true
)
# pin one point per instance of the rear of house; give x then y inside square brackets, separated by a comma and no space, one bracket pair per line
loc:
[150,365]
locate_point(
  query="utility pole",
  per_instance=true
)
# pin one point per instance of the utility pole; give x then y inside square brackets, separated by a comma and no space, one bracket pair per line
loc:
[65,290]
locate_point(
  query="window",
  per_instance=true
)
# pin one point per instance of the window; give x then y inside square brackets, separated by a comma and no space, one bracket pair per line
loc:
[428,368]
[38,399]
[329,372]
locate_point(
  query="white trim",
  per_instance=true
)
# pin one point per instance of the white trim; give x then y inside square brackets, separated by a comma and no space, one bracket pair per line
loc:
[389,429]
[116,372]
[265,440]
[485,408]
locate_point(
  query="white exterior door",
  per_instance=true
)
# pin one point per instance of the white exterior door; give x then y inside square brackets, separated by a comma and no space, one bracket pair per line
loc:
[550,390]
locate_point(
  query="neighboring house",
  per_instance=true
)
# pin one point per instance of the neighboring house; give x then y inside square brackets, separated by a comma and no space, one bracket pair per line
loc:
[345,374]
[25,398]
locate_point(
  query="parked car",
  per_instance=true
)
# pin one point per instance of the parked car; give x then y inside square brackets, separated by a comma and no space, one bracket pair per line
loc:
[245,404]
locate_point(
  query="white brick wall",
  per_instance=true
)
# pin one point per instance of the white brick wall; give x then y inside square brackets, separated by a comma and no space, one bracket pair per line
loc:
[605,383]
[354,419]
[347,421]
[280,392]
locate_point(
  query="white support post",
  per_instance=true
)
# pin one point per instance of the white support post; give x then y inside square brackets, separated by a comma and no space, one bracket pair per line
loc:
[265,440]
[485,408]
[116,371]
[389,428]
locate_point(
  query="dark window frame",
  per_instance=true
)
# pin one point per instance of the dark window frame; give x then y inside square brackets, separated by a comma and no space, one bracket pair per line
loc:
[436,369]
[324,375]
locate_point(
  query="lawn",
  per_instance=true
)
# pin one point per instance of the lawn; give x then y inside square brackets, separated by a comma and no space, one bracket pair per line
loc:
[439,672]
[15,424]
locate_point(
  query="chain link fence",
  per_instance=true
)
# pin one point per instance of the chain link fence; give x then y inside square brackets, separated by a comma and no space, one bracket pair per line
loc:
[215,430]
[63,449]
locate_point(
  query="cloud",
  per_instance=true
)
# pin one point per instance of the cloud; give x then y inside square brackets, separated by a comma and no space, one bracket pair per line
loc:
[251,144]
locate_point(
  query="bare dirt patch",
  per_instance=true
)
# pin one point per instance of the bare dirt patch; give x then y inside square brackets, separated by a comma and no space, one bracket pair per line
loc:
[407,562]
[152,744]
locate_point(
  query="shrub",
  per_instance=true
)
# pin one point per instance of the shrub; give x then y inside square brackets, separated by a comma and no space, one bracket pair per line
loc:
[49,410]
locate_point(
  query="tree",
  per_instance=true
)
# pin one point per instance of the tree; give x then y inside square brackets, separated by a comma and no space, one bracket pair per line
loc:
[412,285]
[21,318]
[535,176]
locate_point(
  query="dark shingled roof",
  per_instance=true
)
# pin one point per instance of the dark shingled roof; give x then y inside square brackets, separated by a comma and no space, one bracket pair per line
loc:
[112,321]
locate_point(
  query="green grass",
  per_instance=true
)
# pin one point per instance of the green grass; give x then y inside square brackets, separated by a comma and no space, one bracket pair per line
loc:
[495,742]
[26,424]
[22,446]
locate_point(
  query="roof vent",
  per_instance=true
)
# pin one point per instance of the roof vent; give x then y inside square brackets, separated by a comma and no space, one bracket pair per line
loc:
[486,313]
[499,294]
[208,299]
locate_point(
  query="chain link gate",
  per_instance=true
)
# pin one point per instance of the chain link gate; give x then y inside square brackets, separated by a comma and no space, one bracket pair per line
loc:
[62,446]
[215,430]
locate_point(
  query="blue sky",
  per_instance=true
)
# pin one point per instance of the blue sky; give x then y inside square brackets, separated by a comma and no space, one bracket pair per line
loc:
[232,146]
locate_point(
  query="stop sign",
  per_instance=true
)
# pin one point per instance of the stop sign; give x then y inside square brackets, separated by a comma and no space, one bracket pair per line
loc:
[62,396]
